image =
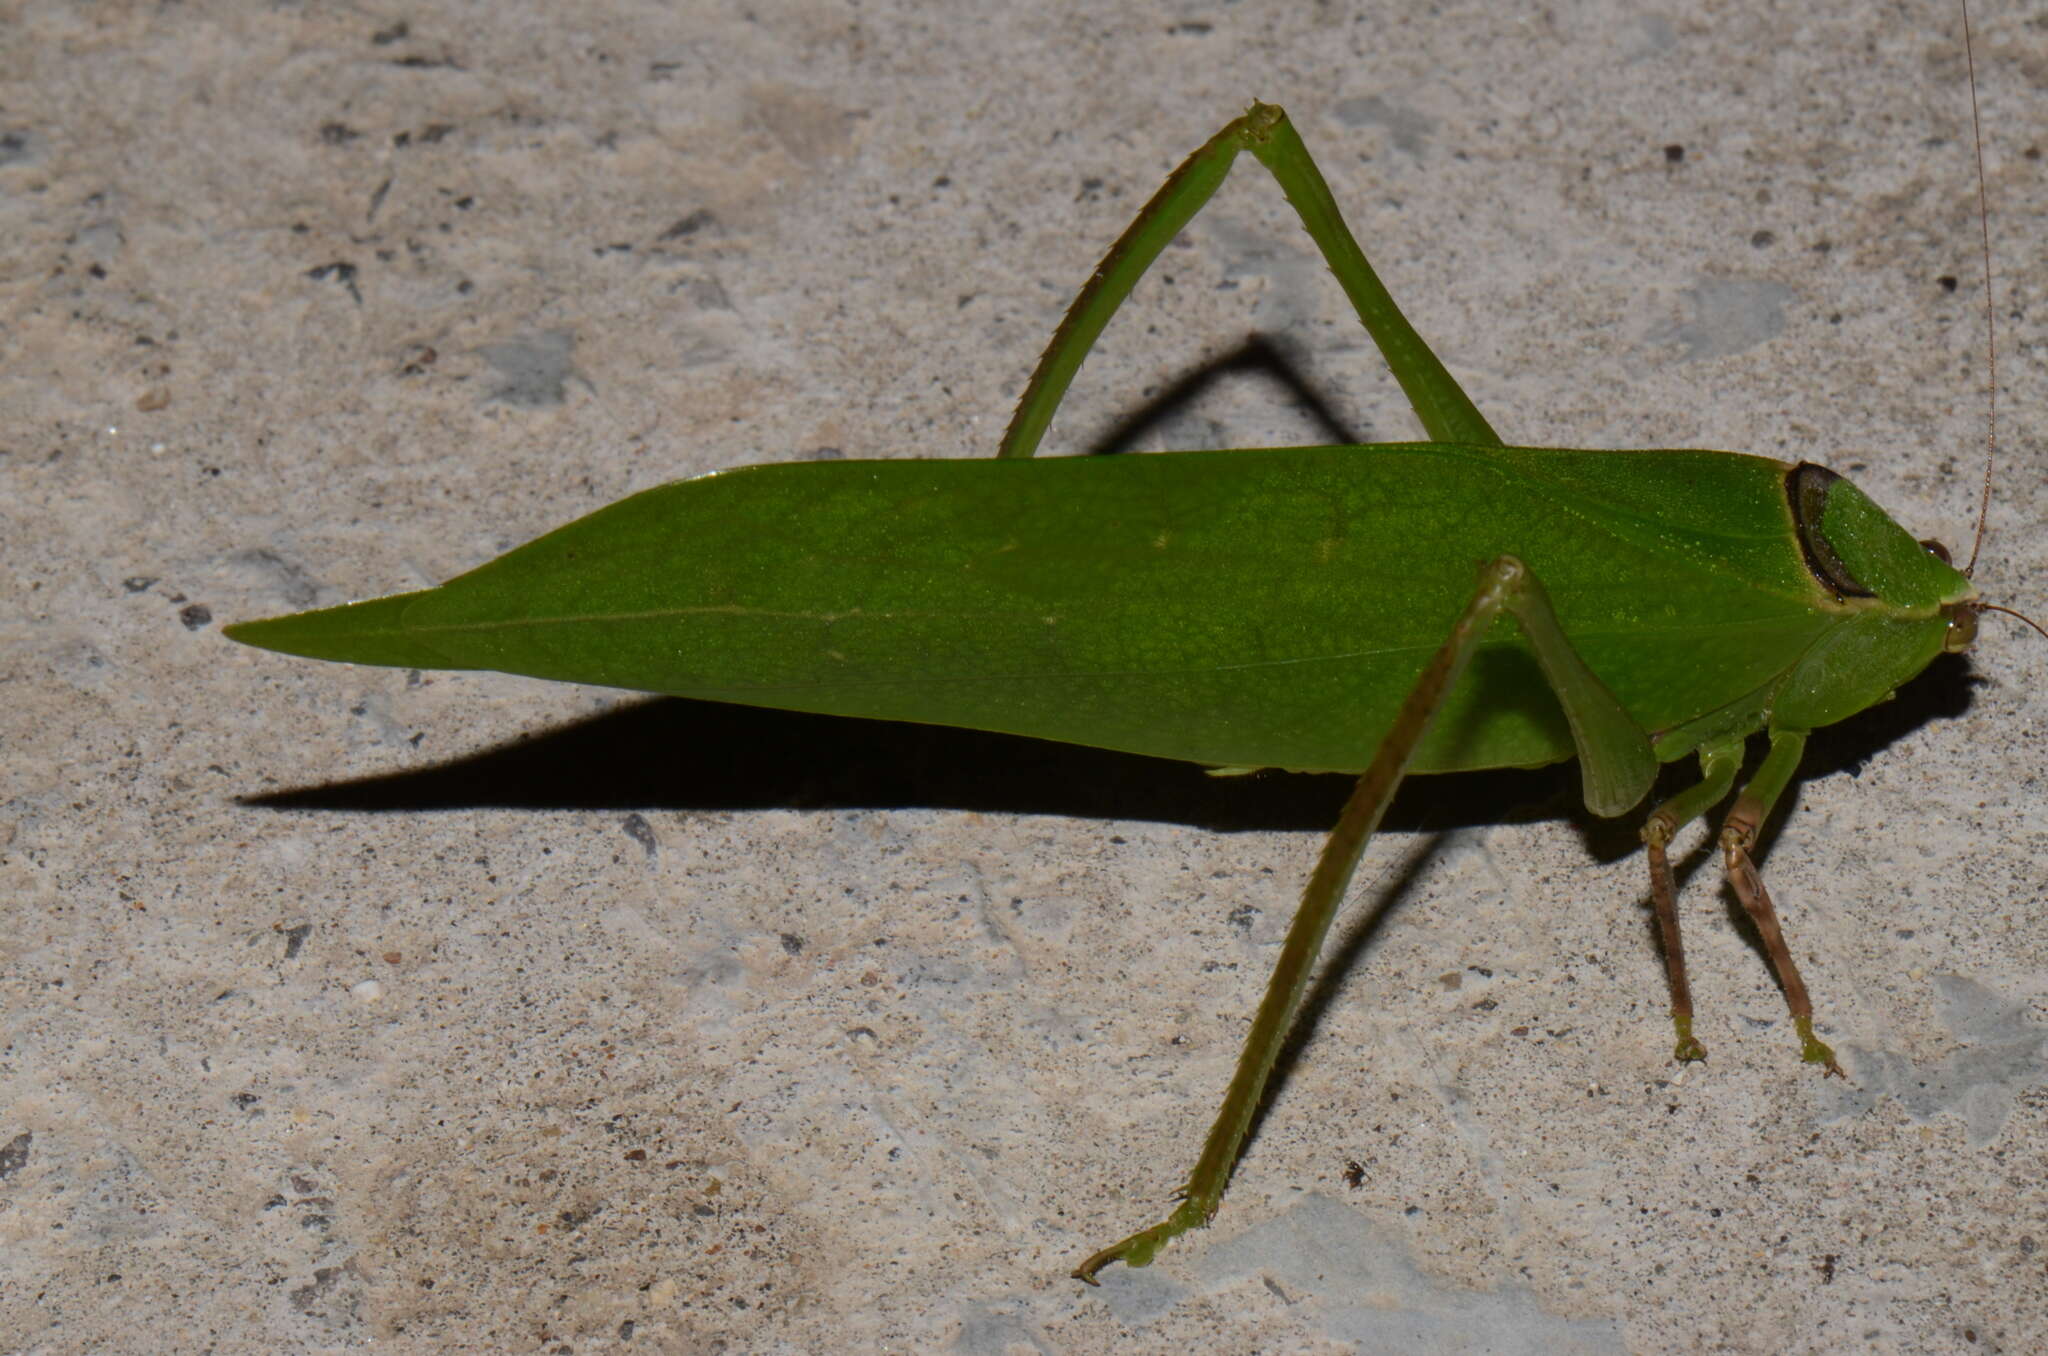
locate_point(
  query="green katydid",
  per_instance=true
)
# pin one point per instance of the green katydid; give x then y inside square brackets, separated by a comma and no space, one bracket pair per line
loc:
[1311,608]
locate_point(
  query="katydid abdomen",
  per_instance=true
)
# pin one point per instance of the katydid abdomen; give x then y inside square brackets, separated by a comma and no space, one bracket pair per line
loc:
[1245,608]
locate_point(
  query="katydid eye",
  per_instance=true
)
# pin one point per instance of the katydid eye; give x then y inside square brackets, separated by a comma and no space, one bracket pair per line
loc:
[1937,550]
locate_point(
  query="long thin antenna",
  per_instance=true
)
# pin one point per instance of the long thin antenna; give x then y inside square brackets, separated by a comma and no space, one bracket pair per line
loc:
[1994,607]
[1990,304]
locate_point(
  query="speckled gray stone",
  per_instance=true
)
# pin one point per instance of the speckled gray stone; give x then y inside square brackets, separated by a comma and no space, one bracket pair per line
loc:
[347,1007]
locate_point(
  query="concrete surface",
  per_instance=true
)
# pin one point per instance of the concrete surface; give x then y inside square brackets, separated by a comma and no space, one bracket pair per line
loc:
[531,1018]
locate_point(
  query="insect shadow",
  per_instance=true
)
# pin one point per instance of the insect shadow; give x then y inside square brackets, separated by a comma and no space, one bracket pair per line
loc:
[1259,356]
[744,758]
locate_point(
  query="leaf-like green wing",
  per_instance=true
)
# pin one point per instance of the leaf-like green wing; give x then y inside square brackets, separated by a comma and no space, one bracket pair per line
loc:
[1249,608]
[371,632]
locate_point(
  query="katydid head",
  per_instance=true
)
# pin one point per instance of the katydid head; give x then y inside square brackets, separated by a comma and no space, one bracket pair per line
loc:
[1900,603]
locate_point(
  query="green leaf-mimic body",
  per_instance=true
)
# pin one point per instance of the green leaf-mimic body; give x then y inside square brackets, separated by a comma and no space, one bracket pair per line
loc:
[1426,607]
[1246,608]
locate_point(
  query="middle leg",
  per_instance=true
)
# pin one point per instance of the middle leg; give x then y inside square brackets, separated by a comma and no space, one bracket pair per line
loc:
[1738,836]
